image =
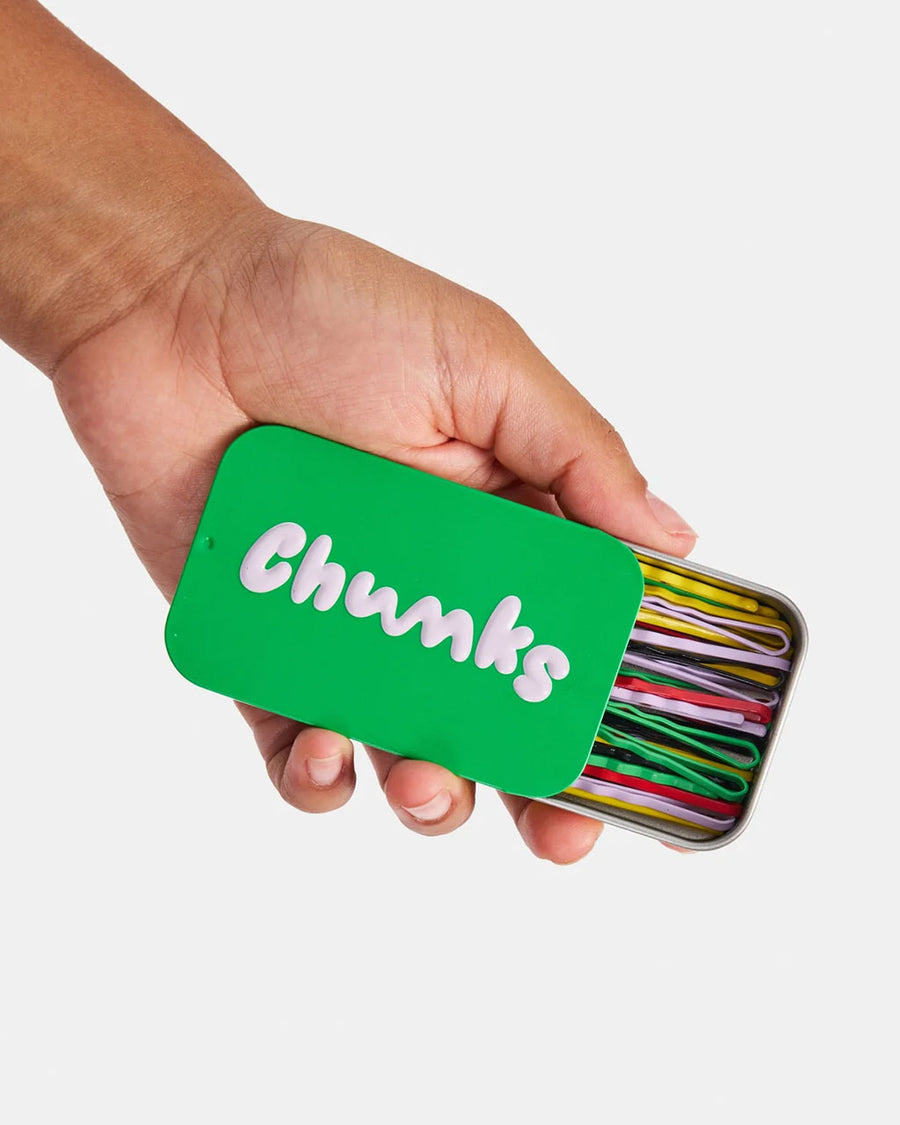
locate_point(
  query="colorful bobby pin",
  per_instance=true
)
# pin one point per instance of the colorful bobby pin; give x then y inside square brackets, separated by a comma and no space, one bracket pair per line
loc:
[724,808]
[682,583]
[710,778]
[659,670]
[632,765]
[740,673]
[673,597]
[750,709]
[658,704]
[713,651]
[698,623]
[630,806]
[652,801]
[691,709]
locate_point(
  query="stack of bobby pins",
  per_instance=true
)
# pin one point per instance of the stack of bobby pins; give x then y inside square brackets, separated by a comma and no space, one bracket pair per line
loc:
[689,715]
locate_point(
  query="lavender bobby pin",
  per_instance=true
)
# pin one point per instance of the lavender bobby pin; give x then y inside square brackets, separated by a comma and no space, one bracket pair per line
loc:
[702,677]
[713,652]
[713,715]
[714,624]
[653,801]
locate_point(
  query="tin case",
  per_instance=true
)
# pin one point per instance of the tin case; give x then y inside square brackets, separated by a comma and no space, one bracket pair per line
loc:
[232,627]
[685,837]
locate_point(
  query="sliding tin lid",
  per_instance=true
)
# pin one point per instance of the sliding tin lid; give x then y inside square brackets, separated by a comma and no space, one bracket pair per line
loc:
[417,615]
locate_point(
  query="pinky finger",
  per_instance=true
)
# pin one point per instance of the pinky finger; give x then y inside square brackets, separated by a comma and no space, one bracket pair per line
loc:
[552,833]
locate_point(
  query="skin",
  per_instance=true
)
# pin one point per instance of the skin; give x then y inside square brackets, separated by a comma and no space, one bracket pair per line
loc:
[173,310]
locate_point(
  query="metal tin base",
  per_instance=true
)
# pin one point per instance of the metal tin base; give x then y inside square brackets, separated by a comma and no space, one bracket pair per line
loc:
[683,836]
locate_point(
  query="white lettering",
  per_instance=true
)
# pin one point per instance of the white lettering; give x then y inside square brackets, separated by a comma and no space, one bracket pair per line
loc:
[501,638]
[286,540]
[316,573]
[362,601]
[540,666]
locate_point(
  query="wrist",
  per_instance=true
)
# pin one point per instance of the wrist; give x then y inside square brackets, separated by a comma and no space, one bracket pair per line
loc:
[123,252]
[81,255]
[103,193]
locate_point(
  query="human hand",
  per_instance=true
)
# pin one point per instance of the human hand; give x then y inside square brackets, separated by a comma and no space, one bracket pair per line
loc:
[173,311]
[278,321]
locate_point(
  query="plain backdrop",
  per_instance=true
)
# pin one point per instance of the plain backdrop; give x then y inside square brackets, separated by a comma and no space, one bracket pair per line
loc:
[692,209]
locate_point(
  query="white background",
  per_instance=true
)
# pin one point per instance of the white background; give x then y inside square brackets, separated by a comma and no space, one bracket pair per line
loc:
[692,208]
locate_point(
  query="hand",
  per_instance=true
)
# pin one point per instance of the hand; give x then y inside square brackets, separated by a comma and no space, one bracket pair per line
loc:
[274,320]
[174,311]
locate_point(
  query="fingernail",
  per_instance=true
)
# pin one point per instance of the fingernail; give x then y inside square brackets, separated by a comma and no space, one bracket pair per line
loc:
[324,772]
[433,810]
[668,517]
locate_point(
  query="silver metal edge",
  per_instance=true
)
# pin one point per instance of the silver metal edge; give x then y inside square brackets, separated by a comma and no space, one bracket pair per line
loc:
[800,639]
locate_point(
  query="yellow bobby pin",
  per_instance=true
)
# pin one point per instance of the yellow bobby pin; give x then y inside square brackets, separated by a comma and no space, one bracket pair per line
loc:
[702,589]
[770,618]
[617,804]
[697,629]
[755,674]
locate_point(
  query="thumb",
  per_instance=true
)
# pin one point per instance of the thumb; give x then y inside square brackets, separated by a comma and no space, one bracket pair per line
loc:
[550,436]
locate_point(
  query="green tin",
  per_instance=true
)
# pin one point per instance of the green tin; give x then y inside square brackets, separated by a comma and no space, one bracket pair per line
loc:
[409,612]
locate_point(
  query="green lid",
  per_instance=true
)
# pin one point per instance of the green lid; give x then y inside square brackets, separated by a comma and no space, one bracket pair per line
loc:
[404,610]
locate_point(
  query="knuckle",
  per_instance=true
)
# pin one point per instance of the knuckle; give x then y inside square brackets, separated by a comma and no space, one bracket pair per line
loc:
[606,432]
[611,441]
